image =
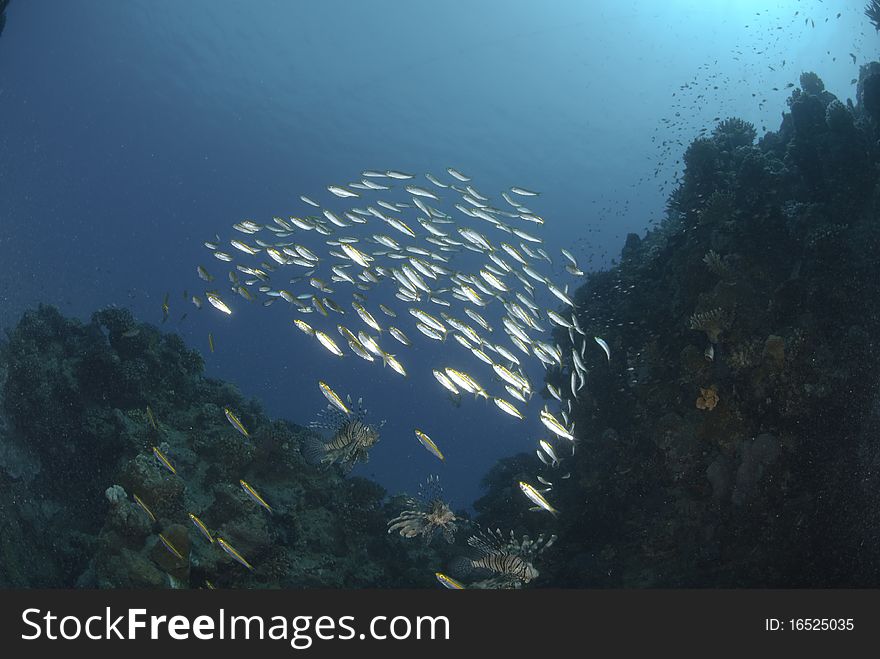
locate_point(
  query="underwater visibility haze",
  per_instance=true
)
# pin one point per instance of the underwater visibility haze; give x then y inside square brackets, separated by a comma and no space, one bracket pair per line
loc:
[495,295]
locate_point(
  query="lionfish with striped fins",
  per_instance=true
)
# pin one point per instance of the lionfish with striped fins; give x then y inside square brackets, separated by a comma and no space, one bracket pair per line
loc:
[426,515]
[509,562]
[351,438]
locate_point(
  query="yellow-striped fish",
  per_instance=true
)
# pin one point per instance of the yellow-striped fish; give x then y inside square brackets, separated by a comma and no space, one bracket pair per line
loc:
[429,444]
[334,398]
[151,418]
[202,528]
[537,498]
[507,407]
[448,582]
[328,343]
[304,326]
[170,547]
[162,459]
[211,341]
[229,549]
[217,303]
[144,507]
[235,422]
[252,493]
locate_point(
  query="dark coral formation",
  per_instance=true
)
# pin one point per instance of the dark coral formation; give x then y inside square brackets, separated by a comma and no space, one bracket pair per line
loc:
[772,478]
[76,447]
[3,5]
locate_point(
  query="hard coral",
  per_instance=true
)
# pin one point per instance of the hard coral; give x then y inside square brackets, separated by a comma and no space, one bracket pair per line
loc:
[811,83]
[732,133]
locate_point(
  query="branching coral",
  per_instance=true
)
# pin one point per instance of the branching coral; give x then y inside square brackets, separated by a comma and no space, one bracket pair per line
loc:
[811,83]
[732,133]
[711,322]
[708,398]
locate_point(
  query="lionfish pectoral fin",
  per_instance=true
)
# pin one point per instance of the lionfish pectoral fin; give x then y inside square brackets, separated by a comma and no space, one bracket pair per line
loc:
[313,449]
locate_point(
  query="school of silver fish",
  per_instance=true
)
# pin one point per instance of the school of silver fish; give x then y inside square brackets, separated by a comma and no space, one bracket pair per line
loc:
[452,256]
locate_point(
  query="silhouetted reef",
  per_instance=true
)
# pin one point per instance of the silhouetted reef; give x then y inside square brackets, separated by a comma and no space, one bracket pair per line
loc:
[76,444]
[732,439]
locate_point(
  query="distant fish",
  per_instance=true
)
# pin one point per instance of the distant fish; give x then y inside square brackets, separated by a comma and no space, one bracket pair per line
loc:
[341,192]
[604,346]
[456,174]
[433,180]
[448,582]
[547,447]
[399,335]
[428,443]
[446,382]
[252,493]
[334,398]
[202,528]
[536,498]
[217,303]
[211,341]
[170,547]
[553,424]
[328,343]
[391,173]
[229,549]
[163,460]
[420,192]
[144,507]
[151,418]
[233,420]
[395,365]
[507,407]
[304,326]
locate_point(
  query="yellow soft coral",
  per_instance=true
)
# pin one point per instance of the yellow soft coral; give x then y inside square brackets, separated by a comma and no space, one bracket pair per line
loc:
[708,398]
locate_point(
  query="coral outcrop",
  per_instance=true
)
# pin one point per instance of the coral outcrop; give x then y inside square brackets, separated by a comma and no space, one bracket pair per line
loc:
[88,504]
[771,478]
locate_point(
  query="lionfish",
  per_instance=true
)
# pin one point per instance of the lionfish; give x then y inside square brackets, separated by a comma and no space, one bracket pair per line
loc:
[509,561]
[426,515]
[350,437]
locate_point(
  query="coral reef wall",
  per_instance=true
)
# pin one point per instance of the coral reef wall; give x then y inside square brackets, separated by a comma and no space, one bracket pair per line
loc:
[83,407]
[732,439]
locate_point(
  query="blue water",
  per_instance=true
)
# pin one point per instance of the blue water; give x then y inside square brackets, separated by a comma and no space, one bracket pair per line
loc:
[130,132]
